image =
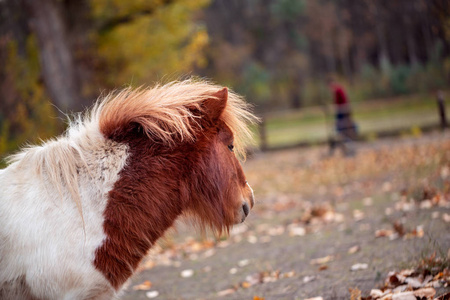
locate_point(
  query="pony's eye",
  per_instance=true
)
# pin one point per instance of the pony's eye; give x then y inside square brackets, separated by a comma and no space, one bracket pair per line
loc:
[231,147]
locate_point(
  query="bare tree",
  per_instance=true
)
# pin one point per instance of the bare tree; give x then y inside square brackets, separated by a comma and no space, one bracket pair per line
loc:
[57,63]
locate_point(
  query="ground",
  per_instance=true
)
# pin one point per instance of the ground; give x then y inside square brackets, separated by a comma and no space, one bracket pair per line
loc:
[387,208]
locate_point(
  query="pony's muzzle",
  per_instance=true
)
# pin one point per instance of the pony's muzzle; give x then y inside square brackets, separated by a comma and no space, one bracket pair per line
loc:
[248,202]
[246,209]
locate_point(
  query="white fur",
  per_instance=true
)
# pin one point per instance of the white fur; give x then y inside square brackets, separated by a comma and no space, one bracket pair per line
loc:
[51,222]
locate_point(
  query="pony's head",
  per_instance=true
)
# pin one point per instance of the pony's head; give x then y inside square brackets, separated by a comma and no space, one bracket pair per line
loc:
[221,194]
[184,139]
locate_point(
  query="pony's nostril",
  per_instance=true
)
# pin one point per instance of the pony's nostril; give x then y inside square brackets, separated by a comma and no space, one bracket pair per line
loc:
[246,209]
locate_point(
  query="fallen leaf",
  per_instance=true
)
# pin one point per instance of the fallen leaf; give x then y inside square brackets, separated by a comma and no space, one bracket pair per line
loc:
[329,216]
[407,272]
[387,186]
[323,267]
[383,233]
[404,296]
[288,274]
[223,244]
[392,280]
[277,230]
[355,294]
[413,282]
[358,215]
[262,227]
[239,229]
[354,249]
[187,273]
[321,260]
[295,230]
[388,296]
[446,218]
[427,280]
[399,228]
[405,205]
[376,293]
[226,292]
[252,239]
[243,263]
[146,285]
[339,218]
[320,210]
[307,279]
[445,172]
[435,215]
[152,294]
[401,288]
[359,266]
[196,247]
[253,279]
[425,292]
[148,264]
[418,232]
[439,275]
[368,201]
[209,253]
[269,276]
[426,204]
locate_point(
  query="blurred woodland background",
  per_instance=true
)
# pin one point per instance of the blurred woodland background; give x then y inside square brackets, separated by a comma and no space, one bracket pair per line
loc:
[323,223]
[392,56]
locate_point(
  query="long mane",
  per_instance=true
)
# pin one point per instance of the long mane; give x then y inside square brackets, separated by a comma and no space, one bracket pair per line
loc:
[165,111]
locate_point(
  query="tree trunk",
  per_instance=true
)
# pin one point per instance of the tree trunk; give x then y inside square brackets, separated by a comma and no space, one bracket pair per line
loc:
[343,47]
[383,59]
[409,33]
[57,63]
[330,56]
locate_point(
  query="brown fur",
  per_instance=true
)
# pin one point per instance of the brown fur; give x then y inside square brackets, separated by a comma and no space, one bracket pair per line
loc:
[178,163]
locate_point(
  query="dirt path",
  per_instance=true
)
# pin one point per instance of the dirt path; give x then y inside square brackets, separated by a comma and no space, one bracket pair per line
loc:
[317,217]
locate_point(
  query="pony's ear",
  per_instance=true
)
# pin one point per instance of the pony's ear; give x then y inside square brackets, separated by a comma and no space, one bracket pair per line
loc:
[215,105]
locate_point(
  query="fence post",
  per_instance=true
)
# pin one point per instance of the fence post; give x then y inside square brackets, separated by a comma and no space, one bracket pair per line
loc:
[441,108]
[263,134]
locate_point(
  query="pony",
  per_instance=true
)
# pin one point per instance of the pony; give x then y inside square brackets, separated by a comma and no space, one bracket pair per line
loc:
[79,212]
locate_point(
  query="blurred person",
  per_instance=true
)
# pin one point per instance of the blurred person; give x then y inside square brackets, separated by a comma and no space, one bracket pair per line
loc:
[346,128]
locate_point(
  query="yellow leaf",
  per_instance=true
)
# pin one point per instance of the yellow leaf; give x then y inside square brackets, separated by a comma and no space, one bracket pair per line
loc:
[146,285]
[355,294]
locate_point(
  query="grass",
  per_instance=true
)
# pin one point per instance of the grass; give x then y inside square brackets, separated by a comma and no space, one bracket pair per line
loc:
[406,114]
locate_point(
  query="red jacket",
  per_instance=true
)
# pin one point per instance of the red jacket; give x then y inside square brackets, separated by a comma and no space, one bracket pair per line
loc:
[339,95]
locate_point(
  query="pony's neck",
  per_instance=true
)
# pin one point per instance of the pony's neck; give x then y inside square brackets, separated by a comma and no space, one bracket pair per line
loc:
[142,205]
